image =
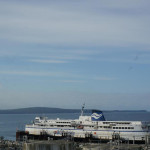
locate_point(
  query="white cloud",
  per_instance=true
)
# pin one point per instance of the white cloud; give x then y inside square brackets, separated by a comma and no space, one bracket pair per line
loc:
[104,78]
[48,61]
[55,24]
[75,77]
[72,81]
[33,73]
[1,86]
[140,60]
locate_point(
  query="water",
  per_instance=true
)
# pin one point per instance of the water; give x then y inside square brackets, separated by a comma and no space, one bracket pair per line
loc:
[9,123]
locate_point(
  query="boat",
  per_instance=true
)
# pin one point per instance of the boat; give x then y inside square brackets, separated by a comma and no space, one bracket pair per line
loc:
[93,127]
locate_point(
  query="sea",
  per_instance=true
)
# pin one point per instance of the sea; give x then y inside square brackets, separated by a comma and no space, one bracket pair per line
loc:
[10,123]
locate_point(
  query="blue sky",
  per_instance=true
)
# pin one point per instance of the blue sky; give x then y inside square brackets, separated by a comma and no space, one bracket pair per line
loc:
[64,53]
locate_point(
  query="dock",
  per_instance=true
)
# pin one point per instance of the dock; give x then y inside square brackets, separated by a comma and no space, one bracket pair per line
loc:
[68,145]
[44,142]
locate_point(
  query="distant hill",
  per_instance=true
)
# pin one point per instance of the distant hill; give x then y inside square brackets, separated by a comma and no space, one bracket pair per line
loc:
[46,110]
[38,110]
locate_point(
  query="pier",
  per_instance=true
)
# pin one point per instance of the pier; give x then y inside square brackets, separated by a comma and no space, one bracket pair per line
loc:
[68,142]
[68,145]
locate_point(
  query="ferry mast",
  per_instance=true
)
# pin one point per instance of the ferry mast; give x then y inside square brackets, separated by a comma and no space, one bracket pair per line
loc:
[82,110]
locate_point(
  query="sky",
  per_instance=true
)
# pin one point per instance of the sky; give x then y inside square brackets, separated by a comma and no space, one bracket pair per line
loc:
[66,53]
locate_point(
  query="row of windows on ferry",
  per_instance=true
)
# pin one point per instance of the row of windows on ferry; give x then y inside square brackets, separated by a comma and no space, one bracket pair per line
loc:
[123,127]
[108,127]
[105,127]
[116,122]
[94,122]
[62,122]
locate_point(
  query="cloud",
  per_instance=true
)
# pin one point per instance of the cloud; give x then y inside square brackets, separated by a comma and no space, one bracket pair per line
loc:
[72,81]
[48,61]
[1,86]
[34,73]
[127,60]
[74,42]
[100,24]
[104,78]
[75,77]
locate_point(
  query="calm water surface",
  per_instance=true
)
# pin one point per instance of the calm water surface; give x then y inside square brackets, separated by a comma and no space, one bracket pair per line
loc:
[9,123]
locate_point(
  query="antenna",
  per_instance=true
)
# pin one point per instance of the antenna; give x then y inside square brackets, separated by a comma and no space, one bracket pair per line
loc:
[82,109]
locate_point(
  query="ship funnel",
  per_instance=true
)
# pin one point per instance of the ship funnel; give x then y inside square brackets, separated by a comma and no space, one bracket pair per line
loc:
[97,115]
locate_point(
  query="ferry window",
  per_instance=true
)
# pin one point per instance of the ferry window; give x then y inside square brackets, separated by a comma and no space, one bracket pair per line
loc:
[119,127]
[116,127]
[132,128]
[122,127]
[128,127]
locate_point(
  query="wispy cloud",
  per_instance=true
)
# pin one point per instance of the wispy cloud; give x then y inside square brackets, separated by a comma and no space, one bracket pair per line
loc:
[39,73]
[68,43]
[1,86]
[72,81]
[48,61]
[127,60]
[75,78]
[98,24]
[104,78]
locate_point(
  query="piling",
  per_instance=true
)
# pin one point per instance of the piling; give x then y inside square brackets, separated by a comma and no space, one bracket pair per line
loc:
[113,147]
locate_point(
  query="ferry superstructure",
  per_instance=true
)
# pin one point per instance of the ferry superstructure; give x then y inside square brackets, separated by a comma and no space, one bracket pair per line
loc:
[94,126]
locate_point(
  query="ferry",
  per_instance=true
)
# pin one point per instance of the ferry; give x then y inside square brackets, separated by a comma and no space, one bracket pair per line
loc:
[93,127]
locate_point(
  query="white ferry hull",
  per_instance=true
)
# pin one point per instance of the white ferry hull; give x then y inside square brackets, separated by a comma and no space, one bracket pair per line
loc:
[94,127]
[83,133]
